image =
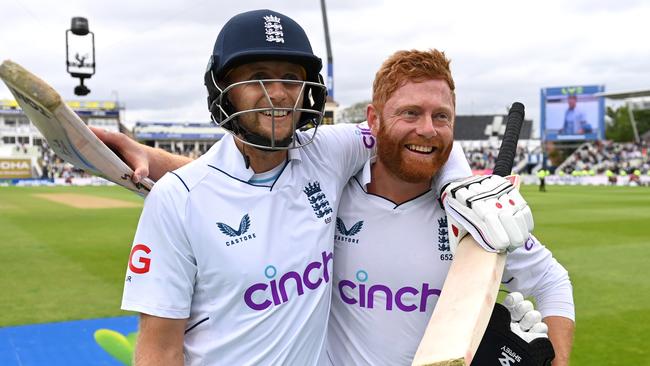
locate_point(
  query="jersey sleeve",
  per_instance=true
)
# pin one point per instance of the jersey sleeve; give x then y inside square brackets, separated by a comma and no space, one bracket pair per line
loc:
[533,271]
[162,268]
[345,147]
[454,169]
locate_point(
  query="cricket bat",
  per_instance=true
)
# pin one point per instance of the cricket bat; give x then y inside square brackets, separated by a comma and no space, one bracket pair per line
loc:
[64,131]
[463,310]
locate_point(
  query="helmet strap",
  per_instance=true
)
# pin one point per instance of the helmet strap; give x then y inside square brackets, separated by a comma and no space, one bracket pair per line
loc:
[257,139]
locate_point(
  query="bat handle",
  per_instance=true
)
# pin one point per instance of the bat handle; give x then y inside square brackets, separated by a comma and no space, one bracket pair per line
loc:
[508,149]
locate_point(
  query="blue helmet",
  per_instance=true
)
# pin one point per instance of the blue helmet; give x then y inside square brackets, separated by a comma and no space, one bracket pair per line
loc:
[263,35]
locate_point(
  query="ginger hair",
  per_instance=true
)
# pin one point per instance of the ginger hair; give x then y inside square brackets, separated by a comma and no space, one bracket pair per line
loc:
[413,65]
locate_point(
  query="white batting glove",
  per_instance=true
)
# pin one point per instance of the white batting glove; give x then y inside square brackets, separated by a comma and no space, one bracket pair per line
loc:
[491,209]
[526,322]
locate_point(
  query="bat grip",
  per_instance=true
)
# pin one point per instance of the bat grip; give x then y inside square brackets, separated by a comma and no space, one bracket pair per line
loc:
[508,149]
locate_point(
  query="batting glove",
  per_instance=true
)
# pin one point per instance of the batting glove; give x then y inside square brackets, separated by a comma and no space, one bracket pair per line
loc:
[526,322]
[491,209]
[515,335]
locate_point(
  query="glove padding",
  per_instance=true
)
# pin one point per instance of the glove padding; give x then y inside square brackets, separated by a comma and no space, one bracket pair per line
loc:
[526,322]
[507,343]
[491,209]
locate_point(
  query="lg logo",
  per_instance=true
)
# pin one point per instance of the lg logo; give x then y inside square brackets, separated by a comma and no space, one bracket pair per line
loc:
[143,262]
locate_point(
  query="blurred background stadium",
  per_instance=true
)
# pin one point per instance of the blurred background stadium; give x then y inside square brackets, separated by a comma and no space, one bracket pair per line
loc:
[615,159]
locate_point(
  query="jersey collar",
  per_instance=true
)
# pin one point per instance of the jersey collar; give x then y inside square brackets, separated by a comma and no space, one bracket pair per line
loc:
[365,174]
[228,158]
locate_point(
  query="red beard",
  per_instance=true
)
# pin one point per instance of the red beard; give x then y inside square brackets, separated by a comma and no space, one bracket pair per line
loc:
[411,166]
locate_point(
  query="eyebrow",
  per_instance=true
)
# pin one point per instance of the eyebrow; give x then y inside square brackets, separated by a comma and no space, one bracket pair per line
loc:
[416,106]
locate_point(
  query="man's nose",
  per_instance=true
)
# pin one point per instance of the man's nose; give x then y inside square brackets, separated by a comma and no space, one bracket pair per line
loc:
[425,127]
[277,90]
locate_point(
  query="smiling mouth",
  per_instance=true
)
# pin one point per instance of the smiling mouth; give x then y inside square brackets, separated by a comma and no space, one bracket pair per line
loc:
[275,113]
[420,149]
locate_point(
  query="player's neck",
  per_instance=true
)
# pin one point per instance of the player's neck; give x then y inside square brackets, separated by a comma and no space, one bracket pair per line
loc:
[386,184]
[262,160]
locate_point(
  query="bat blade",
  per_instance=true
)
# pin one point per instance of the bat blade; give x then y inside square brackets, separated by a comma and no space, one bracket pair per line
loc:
[64,131]
[464,307]
[463,310]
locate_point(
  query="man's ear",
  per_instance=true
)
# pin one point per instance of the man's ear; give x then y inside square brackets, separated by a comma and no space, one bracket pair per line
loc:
[372,116]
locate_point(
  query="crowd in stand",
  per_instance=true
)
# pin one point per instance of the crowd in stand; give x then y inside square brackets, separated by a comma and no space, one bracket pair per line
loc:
[601,157]
[596,158]
[54,167]
[484,157]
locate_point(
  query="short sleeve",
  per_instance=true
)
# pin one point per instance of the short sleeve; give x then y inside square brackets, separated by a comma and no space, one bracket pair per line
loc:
[162,268]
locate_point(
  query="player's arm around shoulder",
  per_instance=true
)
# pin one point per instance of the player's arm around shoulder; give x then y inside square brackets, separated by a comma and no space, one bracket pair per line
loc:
[160,341]
[145,161]
[344,148]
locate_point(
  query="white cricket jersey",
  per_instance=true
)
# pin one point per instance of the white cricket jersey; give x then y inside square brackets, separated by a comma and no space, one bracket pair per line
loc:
[389,267]
[249,265]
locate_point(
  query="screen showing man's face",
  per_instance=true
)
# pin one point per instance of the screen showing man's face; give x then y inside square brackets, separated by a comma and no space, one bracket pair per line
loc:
[572,102]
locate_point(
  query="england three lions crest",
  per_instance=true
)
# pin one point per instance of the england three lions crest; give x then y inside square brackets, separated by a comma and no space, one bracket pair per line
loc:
[318,201]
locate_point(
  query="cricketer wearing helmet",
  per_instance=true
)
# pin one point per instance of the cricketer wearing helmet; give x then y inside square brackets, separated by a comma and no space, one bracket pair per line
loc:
[231,262]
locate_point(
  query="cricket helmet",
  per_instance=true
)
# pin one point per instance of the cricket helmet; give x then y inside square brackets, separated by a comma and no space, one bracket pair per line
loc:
[263,35]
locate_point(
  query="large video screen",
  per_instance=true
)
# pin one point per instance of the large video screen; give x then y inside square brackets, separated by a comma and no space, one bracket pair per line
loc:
[573,113]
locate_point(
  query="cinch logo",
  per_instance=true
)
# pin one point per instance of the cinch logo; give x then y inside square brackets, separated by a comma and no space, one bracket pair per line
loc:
[318,201]
[144,262]
[366,136]
[257,295]
[529,244]
[239,236]
[364,296]
[340,227]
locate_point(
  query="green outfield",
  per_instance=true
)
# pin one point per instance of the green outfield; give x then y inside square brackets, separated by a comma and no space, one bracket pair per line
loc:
[61,263]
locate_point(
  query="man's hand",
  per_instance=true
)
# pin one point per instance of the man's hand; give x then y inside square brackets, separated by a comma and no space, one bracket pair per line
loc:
[491,209]
[131,152]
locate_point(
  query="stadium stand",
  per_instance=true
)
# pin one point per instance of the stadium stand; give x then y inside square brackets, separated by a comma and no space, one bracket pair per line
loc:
[188,138]
[486,127]
[600,156]
[481,135]
[20,139]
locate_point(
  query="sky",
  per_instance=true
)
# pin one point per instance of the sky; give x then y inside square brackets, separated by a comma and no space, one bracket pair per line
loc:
[151,55]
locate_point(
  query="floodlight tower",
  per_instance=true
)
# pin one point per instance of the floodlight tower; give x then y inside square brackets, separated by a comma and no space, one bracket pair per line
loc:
[330,105]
